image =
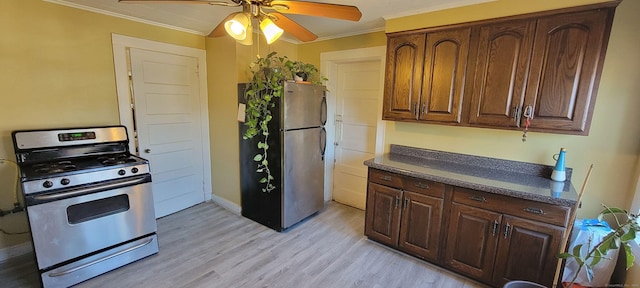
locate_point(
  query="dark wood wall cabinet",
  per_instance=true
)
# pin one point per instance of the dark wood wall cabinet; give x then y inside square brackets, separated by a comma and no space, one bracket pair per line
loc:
[543,68]
[491,238]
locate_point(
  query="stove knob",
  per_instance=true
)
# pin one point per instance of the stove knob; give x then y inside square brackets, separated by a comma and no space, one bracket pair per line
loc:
[121,172]
[134,170]
[47,184]
[65,181]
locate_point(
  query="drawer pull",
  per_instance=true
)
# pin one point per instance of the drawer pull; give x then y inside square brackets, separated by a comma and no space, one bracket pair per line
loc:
[385,178]
[422,185]
[478,198]
[397,201]
[536,211]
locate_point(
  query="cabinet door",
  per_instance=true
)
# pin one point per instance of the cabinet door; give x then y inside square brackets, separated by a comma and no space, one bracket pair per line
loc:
[567,59]
[444,73]
[405,54]
[501,66]
[382,221]
[472,241]
[527,251]
[420,225]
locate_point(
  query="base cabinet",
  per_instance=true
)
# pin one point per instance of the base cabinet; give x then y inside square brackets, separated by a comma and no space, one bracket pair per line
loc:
[527,251]
[407,220]
[382,215]
[472,241]
[491,238]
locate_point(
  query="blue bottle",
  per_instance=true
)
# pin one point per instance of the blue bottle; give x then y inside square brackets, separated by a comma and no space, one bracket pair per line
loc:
[559,173]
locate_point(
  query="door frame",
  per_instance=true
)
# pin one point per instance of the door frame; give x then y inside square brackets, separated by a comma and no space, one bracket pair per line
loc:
[329,62]
[121,45]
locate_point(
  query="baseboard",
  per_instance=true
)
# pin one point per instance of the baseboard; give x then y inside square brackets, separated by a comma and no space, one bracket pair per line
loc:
[233,207]
[15,251]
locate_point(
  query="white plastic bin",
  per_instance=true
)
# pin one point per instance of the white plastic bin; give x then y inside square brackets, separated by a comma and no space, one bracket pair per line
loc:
[583,229]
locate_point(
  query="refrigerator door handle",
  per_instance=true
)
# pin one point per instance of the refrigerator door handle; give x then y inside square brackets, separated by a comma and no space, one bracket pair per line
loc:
[323,142]
[323,111]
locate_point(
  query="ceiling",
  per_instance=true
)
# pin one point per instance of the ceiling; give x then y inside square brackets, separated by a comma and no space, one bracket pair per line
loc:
[201,19]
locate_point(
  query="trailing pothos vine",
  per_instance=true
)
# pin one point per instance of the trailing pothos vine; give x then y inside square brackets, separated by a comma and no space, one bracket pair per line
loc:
[268,75]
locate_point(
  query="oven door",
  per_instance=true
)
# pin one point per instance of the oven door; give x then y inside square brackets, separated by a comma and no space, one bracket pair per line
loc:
[71,224]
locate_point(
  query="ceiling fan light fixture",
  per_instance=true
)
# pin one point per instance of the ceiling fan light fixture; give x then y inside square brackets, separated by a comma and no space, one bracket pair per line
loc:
[238,27]
[270,30]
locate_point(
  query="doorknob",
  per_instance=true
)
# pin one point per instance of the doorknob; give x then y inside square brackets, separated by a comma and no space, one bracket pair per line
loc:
[147,150]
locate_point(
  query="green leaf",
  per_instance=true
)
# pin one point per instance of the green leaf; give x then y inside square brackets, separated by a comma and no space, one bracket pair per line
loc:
[576,250]
[258,158]
[613,210]
[629,254]
[260,145]
[565,255]
[263,180]
[630,235]
[597,256]
[265,162]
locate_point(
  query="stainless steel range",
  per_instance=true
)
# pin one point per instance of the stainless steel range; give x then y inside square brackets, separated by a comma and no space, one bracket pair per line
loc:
[88,200]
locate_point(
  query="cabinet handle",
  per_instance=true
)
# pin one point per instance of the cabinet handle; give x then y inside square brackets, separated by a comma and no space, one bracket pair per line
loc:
[536,211]
[506,230]
[495,227]
[385,178]
[415,111]
[397,201]
[478,198]
[516,115]
[422,185]
[406,203]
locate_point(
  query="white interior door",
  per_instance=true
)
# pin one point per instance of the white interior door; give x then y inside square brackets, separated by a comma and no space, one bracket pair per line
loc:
[168,124]
[358,90]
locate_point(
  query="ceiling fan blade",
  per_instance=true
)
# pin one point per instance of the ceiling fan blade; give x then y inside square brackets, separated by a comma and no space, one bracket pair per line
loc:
[219,31]
[235,3]
[337,11]
[292,27]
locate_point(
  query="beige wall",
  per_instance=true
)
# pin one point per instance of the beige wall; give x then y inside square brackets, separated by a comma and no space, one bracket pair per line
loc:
[57,65]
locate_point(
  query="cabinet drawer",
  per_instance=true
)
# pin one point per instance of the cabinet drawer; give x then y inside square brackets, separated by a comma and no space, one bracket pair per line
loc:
[385,178]
[422,186]
[543,212]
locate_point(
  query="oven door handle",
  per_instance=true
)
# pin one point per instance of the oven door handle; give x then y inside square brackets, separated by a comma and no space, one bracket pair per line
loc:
[82,191]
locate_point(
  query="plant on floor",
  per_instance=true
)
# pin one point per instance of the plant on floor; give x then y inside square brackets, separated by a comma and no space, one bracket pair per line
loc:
[627,226]
[267,77]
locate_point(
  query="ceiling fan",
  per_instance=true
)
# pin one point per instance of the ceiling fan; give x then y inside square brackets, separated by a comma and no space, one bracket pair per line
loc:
[268,14]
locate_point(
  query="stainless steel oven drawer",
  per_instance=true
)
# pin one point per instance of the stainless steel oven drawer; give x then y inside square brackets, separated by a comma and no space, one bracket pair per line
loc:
[74,227]
[100,263]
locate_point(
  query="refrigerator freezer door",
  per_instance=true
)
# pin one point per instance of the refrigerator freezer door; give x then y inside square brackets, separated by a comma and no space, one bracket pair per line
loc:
[303,181]
[304,106]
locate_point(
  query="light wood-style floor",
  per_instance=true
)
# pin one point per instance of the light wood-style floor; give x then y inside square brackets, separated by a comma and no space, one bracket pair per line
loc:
[208,246]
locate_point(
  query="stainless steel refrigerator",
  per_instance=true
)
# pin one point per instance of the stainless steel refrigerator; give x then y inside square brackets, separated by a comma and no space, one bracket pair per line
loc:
[296,159]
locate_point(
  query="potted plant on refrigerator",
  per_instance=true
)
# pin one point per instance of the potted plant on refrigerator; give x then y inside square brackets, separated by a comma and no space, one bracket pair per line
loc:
[267,76]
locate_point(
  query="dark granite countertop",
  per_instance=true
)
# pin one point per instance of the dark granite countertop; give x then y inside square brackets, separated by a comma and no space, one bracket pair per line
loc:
[511,178]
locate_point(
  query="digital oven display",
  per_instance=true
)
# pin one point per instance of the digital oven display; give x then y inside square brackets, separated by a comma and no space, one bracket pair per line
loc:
[76,136]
